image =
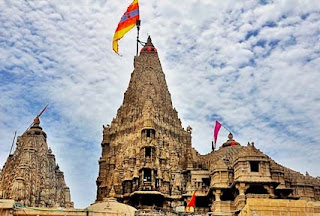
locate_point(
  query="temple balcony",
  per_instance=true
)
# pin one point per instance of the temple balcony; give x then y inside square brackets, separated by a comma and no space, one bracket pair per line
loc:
[147,186]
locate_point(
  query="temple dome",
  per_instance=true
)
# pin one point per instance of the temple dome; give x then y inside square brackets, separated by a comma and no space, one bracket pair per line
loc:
[111,206]
[230,141]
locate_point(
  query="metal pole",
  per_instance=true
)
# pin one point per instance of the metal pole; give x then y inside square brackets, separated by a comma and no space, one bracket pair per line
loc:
[226,128]
[15,133]
[138,22]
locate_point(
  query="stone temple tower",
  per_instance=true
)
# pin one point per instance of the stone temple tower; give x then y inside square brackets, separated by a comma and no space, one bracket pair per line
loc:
[145,150]
[31,176]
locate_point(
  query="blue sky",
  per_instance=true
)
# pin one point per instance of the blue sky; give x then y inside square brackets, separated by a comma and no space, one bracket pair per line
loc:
[252,65]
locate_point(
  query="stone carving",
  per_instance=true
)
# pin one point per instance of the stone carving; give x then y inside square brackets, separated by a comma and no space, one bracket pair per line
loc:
[28,176]
[148,133]
[147,159]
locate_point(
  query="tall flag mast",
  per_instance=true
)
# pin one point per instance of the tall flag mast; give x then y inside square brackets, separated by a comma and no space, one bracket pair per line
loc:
[128,20]
[138,29]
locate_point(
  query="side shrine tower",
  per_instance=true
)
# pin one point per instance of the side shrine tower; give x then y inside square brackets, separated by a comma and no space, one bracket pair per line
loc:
[145,150]
[31,176]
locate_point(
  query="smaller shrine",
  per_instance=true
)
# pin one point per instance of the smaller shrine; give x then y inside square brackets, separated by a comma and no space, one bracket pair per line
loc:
[31,175]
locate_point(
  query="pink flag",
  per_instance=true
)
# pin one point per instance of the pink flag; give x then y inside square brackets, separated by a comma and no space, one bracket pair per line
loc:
[216,131]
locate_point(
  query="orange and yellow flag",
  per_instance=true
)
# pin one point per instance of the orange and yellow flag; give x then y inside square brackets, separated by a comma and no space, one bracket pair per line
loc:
[127,22]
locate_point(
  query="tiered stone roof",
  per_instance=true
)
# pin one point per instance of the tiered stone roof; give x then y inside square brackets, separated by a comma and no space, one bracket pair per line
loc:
[145,149]
[147,159]
[31,176]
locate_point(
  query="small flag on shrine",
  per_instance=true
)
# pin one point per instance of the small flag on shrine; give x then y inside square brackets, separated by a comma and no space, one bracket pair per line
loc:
[192,201]
[127,22]
[216,131]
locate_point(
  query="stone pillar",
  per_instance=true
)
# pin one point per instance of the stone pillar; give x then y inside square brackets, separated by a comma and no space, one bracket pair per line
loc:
[67,197]
[216,204]
[152,179]
[270,190]
[240,200]
[217,194]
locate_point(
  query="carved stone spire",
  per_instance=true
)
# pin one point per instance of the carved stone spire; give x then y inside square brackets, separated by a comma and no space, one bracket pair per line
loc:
[146,136]
[30,177]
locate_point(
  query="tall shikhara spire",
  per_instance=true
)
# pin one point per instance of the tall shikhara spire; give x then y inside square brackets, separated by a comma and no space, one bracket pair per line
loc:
[145,149]
[31,176]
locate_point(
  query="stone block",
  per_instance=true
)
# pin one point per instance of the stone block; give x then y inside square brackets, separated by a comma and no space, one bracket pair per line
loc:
[276,213]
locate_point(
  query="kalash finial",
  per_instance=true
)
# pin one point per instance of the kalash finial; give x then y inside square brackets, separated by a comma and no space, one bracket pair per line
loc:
[36,122]
[148,47]
[230,141]
[149,41]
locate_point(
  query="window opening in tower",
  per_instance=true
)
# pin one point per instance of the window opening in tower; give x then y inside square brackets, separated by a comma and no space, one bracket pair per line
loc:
[148,152]
[254,166]
[147,175]
[148,133]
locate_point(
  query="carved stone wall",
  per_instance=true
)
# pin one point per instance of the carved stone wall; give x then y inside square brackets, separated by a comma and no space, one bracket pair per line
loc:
[147,158]
[240,172]
[31,176]
[145,149]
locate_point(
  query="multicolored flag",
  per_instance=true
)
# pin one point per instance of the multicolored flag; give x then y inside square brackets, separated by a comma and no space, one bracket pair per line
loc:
[127,22]
[216,131]
[192,201]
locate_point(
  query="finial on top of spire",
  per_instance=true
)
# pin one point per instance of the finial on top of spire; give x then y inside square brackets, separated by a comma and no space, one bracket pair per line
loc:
[230,141]
[149,41]
[36,121]
[148,47]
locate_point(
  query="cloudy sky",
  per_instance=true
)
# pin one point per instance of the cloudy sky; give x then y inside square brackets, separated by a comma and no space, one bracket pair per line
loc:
[253,65]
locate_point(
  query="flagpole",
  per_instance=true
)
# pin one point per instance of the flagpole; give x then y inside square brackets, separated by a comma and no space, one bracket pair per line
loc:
[42,111]
[15,134]
[138,22]
[225,128]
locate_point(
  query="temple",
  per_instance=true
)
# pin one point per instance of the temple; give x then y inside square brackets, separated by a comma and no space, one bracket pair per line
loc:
[148,161]
[145,150]
[31,176]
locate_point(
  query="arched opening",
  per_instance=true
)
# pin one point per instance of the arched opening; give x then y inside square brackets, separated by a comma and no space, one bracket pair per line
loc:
[148,133]
[126,187]
[147,175]
[254,166]
[147,152]
[256,189]
[227,195]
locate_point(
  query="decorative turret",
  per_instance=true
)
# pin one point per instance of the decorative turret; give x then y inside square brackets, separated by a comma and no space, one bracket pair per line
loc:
[30,176]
